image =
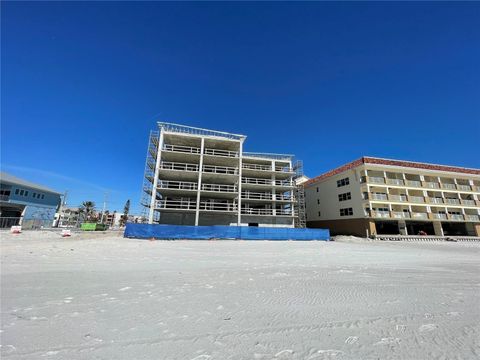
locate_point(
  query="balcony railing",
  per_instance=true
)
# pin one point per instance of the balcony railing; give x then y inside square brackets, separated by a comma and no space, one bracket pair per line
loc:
[283,183]
[448,186]
[419,215]
[471,217]
[376,180]
[256,195]
[414,183]
[219,187]
[181,204]
[381,214]
[395,182]
[452,201]
[379,197]
[401,214]
[283,169]
[438,216]
[468,202]
[182,149]
[393,197]
[435,200]
[257,167]
[416,199]
[464,187]
[255,181]
[432,185]
[254,211]
[177,185]
[166,165]
[284,197]
[455,216]
[6,222]
[218,152]
[211,205]
[220,170]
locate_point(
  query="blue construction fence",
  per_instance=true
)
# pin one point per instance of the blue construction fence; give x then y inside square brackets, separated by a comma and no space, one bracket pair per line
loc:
[171,232]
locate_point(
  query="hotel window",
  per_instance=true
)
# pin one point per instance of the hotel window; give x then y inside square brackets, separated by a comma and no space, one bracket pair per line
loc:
[344,196]
[17,191]
[43,196]
[346,212]
[26,192]
[21,192]
[34,195]
[343,182]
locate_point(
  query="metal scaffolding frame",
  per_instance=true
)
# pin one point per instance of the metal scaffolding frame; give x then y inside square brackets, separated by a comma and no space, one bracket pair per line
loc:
[300,219]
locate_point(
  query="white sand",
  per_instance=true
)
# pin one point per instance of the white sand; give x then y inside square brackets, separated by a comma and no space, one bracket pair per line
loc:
[105,297]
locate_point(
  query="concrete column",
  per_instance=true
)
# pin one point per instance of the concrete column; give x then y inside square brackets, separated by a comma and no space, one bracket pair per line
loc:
[437,228]
[155,179]
[274,211]
[239,201]
[402,227]
[371,229]
[199,186]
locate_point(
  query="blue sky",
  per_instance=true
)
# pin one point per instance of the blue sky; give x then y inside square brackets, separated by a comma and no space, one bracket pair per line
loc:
[83,83]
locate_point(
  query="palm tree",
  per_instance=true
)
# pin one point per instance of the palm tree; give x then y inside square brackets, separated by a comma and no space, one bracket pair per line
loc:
[88,207]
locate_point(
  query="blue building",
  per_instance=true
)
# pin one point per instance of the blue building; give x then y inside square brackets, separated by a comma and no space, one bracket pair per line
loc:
[25,203]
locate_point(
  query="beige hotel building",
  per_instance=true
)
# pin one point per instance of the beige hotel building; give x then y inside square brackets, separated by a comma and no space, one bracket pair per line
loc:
[373,196]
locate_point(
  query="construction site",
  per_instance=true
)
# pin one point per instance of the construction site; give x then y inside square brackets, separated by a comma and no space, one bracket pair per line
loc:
[197,176]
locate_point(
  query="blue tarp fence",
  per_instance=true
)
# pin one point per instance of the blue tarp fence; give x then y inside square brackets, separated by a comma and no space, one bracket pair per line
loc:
[167,232]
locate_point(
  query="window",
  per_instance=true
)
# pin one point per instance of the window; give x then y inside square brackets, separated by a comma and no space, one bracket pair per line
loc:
[34,195]
[16,191]
[21,192]
[344,196]
[43,196]
[317,188]
[346,212]
[343,182]
[26,192]
[319,213]
[318,201]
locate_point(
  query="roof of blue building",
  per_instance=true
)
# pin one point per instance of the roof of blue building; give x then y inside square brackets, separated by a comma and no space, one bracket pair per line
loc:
[13,180]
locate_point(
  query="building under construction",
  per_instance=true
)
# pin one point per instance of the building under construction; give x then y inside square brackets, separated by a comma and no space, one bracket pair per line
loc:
[197,176]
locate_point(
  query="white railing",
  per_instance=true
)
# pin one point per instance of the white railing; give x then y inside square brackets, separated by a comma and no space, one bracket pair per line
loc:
[218,152]
[418,215]
[401,215]
[376,180]
[257,167]
[379,196]
[439,216]
[381,214]
[283,183]
[414,183]
[397,197]
[177,185]
[394,181]
[256,195]
[433,200]
[452,201]
[471,217]
[284,169]
[284,212]
[432,185]
[220,169]
[464,187]
[166,165]
[416,199]
[456,217]
[181,204]
[468,202]
[253,211]
[212,205]
[181,148]
[448,186]
[284,197]
[255,181]
[219,187]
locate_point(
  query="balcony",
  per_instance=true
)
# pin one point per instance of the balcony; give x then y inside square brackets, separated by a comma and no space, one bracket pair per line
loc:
[435,200]
[397,198]
[438,216]
[226,170]
[210,205]
[464,187]
[255,181]
[256,167]
[468,202]
[414,183]
[416,199]
[379,196]
[376,180]
[452,201]
[448,186]
[219,188]
[166,165]
[182,149]
[256,195]
[401,214]
[181,204]
[286,183]
[381,214]
[471,217]
[177,185]
[284,169]
[284,197]
[457,217]
[268,212]
[218,152]
[419,215]
[397,182]
[431,185]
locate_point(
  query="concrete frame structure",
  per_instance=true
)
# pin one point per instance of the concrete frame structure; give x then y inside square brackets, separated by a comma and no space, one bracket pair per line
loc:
[381,196]
[197,176]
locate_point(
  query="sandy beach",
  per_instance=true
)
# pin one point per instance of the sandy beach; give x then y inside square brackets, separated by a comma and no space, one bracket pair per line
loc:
[100,296]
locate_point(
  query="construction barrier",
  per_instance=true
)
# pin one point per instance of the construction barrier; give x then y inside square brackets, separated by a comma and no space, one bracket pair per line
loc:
[170,232]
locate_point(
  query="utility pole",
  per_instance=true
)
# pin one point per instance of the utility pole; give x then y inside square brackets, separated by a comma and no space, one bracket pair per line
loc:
[62,205]
[105,196]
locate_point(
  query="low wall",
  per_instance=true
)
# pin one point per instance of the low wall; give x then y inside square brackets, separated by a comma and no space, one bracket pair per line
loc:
[166,232]
[425,238]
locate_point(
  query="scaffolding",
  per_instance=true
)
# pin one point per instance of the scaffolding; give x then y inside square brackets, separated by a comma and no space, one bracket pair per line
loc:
[300,219]
[149,175]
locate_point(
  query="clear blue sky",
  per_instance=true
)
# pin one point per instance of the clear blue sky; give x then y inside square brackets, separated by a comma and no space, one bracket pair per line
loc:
[83,83]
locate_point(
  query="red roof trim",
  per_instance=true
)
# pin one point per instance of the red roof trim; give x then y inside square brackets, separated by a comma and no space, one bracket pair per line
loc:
[411,164]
